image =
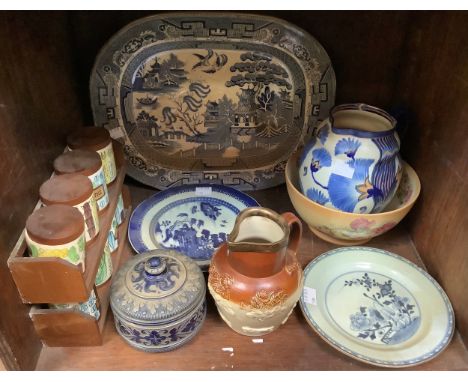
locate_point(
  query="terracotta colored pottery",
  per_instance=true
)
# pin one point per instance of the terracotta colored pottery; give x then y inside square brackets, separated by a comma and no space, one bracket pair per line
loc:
[255,278]
[345,228]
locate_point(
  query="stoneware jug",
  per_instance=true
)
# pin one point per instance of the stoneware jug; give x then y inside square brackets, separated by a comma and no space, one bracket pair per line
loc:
[255,278]
[352,163]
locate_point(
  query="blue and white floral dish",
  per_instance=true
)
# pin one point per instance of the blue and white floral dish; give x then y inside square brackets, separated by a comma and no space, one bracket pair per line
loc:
[212,97]
[352,164]
[193,220]
[158,300]
[376,307]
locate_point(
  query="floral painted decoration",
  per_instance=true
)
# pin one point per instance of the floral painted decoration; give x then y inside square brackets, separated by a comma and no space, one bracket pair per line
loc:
[389,318]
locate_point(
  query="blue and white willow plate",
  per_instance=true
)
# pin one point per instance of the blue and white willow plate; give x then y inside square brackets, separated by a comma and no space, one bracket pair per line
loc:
[191,219]
[377,307]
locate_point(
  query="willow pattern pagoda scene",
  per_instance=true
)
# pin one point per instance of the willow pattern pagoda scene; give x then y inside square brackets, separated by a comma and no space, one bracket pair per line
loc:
[205,108]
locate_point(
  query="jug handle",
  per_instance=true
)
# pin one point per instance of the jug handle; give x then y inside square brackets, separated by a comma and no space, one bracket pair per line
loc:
[295,233]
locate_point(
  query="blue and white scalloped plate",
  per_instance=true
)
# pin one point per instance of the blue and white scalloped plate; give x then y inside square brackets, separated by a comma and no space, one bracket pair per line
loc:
[193,220]
[376,307]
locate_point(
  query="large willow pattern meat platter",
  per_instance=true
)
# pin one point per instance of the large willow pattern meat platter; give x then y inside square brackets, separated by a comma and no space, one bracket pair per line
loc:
[218,98]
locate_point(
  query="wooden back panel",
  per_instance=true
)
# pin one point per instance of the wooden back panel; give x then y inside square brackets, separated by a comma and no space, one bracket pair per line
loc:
[434,86]
[38,108]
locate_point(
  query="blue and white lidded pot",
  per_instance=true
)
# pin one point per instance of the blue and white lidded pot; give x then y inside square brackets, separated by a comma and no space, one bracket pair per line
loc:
[158,300]
[352,163]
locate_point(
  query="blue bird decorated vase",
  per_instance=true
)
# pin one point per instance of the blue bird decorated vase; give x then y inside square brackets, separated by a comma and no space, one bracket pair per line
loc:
[352,163]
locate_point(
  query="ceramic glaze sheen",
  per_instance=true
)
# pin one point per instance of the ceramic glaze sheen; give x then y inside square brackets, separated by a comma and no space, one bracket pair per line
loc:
[345,228]
[352,164]
[193,220]
[377,307]
[119,210]
[211,97]
[158,300]
[256,282]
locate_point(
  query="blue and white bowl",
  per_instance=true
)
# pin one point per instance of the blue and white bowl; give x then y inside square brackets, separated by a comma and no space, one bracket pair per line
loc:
[192,219]
[352,164]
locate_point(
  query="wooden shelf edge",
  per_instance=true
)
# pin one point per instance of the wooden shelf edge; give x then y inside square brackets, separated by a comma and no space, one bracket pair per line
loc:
[93,257]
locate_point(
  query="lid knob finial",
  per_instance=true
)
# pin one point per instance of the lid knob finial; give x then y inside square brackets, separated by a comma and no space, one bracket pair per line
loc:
[155,265]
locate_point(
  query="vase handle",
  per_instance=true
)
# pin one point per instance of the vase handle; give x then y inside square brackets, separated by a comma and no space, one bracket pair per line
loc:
[321,125]
[295,231]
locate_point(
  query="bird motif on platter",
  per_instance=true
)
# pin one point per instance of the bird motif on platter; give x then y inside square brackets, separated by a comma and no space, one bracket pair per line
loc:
[211,62]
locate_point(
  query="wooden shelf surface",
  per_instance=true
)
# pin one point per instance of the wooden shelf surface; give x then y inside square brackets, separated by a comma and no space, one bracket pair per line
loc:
[294,346]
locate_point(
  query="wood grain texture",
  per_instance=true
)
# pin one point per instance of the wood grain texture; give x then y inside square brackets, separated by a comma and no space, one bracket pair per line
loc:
[38,107]
[434,87]
[294,346]
[60,327]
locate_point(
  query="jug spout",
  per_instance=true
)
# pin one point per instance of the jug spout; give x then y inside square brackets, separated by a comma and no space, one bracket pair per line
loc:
[258,241]
[259,228]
